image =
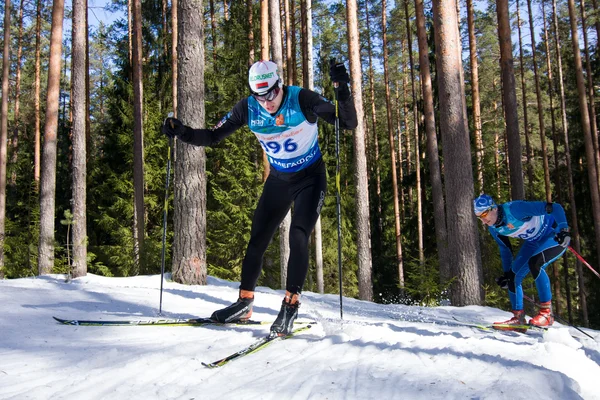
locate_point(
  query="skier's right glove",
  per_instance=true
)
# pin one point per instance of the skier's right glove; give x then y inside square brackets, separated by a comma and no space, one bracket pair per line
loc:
[505,279]
[563,238]
[338,72]
[172,127]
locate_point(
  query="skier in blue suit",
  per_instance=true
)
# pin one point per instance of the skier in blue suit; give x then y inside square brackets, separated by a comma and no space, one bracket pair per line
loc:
[543,228]
[284,120]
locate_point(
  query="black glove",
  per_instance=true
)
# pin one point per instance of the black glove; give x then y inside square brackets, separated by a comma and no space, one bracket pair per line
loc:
[337,72]
[173,127]
[563,238]
[505,279]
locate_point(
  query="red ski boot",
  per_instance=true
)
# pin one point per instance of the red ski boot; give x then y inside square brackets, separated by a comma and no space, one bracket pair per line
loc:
[512,324]
[544,318]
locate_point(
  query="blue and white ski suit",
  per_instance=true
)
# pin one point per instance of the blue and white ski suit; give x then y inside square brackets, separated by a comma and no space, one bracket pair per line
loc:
[536,223]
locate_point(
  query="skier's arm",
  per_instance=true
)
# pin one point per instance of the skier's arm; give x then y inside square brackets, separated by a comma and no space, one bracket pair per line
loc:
[506,254]
[314,105]
[234,120]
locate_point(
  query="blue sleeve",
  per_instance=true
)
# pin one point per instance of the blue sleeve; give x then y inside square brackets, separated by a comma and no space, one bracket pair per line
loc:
[505,247]
[523,209]
[558,212]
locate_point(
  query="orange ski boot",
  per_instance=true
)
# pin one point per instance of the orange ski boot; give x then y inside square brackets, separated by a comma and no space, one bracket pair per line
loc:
[544,317]
[512,324]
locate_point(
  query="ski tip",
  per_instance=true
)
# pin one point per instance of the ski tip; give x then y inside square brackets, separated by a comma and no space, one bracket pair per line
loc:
[62,321]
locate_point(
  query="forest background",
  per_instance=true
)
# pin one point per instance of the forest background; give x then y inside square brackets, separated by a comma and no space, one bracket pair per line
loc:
[126,159]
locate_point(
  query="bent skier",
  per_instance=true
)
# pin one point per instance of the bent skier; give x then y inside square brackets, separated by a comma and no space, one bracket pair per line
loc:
[544,229]
[284,120]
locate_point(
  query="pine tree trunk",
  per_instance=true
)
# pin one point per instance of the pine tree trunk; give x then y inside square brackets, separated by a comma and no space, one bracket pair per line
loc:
[14,145]
[590,87]
[79,110]
[250,13]
[558,298]
[48,170]
[174,65]
[407,142]
[4,130]
[388,102]
[365,285]
[374,123]
[138,142]
[264,55]
[437,191]
[37,95]
[510,101]
[416,133]
[213,32]
[528,151]
[479,150]
[189,220]
[400,109]
[540,106]
[463,244]
[294,41]
[585,124]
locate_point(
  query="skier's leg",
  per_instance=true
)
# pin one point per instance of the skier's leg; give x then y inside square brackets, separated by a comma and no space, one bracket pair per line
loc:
[549,252]
[272,207]
[274,203]
[308,201]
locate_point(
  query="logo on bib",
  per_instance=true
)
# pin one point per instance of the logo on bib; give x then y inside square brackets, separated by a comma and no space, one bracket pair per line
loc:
[279,120]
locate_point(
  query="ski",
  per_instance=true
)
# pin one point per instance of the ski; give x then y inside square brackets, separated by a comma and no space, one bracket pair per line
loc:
[155,322]
[254,347]
[518,328]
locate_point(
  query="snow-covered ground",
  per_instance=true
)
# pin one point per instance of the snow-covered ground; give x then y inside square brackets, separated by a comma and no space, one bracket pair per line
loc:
[377,352]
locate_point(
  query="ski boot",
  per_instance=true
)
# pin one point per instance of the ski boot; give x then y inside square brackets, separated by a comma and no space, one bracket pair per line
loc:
[517,319]
[544,317]
[240,311]
[284,323]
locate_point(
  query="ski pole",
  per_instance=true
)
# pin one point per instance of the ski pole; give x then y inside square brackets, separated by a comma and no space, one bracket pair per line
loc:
[583,261]
[337,185]
[529,299]
[165,210]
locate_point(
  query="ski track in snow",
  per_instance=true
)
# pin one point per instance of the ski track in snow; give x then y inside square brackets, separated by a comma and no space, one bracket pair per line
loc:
[378,351]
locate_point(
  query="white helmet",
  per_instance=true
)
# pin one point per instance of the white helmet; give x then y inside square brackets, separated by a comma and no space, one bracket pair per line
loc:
[263,76]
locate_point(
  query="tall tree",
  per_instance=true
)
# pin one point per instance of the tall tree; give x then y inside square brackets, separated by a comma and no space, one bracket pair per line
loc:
[374,122]
[416,136]
[189,220]
[388,102]
[540,106]
[557,181]
[517,188]
[365,285]
[590,86]
[528,152]
[17,110]
[310,84]
[4,130]
[138,140]
[48,169]
[79,110]
[37,95]
[585,125]
[479,151]
[174,69]
[463,244]
[437,191]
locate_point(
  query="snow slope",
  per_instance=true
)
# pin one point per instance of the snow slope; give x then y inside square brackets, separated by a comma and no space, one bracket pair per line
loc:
[377,352]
